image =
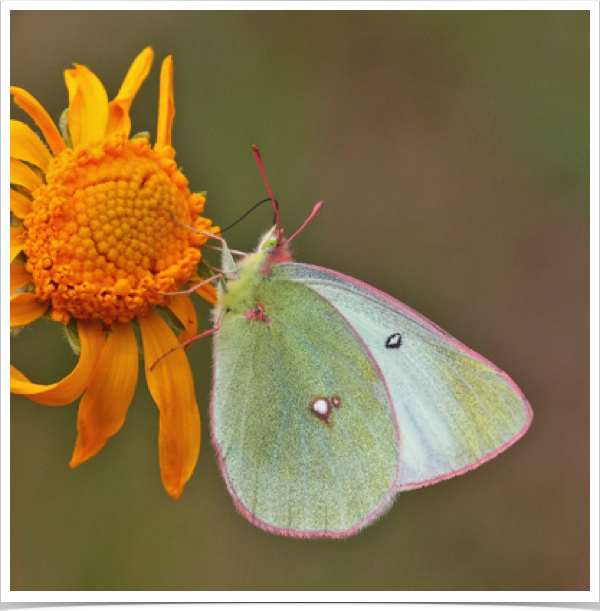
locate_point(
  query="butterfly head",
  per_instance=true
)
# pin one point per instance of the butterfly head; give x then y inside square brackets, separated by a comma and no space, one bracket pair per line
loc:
[272,249]
[268,242]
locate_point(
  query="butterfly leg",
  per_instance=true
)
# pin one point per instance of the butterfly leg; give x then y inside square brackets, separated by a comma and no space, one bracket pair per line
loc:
[187,291]
[188,342]
[229,263]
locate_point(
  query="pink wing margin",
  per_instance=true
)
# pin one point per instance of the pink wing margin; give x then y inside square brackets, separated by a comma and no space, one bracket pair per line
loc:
[398,305]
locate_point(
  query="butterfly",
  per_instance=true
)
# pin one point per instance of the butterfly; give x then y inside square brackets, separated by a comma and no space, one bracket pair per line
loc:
[330,396]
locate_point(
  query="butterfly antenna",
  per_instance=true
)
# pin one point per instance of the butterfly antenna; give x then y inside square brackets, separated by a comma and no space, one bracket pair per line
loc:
[262,201]
[315,210]
[262,169]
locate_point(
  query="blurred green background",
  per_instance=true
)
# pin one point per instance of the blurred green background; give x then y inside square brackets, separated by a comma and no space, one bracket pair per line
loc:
[452,152]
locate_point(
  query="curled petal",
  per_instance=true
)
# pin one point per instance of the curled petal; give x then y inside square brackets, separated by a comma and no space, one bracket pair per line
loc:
[25,145]
[68,389]
[19,277]
[88,105]
[104,405]
[17,241]
[36,111]
[25,308]
[118,109]
[23,176]
[20,205]
[166,104]
[182,307]
[171,386]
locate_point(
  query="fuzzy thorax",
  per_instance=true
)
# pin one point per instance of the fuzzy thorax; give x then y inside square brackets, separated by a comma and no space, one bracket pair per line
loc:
[236,294]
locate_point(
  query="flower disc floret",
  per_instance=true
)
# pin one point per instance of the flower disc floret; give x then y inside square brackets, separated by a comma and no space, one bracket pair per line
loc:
[100,231]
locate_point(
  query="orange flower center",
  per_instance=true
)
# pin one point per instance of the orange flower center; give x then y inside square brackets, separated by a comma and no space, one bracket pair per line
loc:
[101,231]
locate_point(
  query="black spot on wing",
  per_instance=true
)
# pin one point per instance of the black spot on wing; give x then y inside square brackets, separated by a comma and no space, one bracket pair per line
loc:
[394,341]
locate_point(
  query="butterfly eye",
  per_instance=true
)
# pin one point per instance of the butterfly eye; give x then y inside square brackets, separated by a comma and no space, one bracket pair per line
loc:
[394,341]
[269,246]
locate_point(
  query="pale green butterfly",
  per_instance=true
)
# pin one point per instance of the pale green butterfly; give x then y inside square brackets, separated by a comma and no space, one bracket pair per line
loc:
[330,396]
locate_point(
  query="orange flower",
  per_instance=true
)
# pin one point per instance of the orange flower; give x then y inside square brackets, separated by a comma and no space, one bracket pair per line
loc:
[92,233]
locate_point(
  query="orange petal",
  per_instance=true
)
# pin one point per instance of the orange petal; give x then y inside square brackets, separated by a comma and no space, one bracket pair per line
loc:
[24,176]
[25,145]
[208,292]
[172,387]
[68,389]
[88,105]
[104,405]
[35,110]
[118,109]
[19,277]
[17,378]
[17,241]
[20,205]
[182,307]
[25,308]
[166,104]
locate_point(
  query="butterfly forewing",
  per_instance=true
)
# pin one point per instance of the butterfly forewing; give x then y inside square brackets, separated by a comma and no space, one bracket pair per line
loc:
[303,422]
[455,409]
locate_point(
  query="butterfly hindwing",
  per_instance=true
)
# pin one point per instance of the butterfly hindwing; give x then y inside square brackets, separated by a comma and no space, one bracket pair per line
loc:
[455,409]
